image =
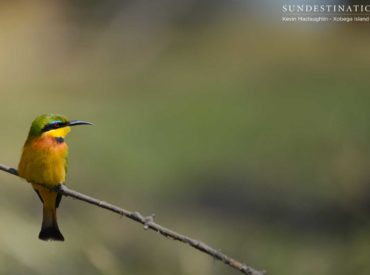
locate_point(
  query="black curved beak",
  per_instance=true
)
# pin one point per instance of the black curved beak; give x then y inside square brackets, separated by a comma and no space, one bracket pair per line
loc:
[78,122]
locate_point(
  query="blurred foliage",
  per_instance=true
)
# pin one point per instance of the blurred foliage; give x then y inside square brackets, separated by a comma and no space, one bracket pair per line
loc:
[250,135]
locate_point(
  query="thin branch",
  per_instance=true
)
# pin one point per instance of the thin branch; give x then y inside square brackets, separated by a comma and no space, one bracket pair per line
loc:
[149,223]
[9,170]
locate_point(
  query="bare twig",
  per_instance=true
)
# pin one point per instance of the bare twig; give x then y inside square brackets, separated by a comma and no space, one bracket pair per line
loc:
[9,170]
[149,223]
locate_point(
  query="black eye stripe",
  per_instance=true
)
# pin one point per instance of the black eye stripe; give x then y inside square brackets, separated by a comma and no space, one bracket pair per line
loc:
[54,125]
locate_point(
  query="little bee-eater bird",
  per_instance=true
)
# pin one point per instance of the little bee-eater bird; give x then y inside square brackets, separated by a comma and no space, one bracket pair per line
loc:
[44,163]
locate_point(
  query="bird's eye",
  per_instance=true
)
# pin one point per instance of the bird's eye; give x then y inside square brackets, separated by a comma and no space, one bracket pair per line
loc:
[56,125]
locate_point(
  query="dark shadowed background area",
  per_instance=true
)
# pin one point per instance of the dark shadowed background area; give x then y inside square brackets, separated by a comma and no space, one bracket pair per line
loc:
[232,127]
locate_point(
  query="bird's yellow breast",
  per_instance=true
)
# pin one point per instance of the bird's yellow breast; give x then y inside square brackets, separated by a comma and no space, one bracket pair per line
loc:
[44,161]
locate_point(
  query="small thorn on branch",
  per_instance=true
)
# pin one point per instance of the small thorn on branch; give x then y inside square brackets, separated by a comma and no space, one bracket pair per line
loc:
[147,220]
[138,216]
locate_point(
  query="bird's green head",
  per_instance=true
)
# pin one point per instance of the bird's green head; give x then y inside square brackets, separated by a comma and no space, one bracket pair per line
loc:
[52,125]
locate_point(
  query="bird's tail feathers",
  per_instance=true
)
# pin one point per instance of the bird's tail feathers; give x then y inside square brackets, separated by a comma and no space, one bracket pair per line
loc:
[49,229]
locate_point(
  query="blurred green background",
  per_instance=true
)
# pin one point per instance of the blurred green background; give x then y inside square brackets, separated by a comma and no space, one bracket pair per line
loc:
[232,127]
